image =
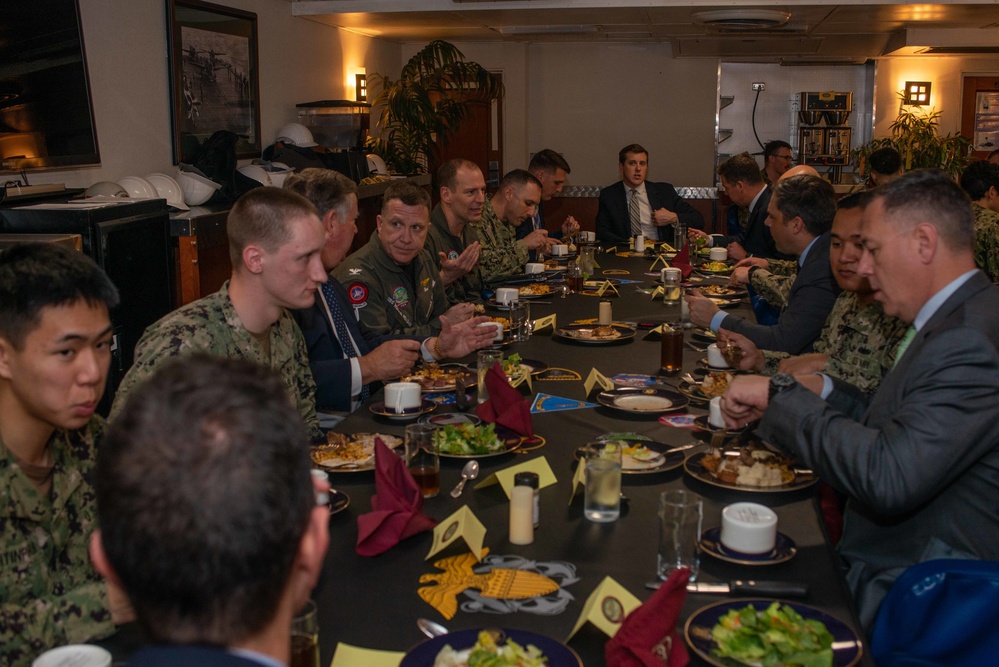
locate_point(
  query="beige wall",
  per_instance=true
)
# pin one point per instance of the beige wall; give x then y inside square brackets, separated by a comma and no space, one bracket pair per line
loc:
[300,61]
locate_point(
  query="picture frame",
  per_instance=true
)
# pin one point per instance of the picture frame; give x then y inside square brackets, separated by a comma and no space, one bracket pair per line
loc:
[214,76]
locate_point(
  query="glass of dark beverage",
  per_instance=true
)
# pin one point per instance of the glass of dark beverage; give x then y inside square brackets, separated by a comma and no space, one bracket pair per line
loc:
[671,355]
[423,461]
[305,637]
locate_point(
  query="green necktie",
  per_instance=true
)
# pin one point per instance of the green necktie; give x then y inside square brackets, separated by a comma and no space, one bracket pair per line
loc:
[903,344]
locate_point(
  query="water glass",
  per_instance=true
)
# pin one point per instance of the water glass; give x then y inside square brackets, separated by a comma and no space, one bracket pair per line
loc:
[305,637]
[485,361]
[602,502]
[680,516]
[671,278]
[520,316]
[422,458]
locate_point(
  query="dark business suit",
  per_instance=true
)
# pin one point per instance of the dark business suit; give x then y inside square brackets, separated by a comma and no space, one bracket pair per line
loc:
[330,366]
[614,223]
[755,237]
[919,460]
[812,295]
[188,656]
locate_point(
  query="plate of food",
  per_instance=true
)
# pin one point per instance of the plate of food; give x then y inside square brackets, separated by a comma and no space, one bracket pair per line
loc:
[493,647]
[723,291]
[644,457]
[715,268]
[350,452]
[534,291]
[435,378]
[724,303]
[589,334]
[470,441]
[784,550]
[755,631]
[713,384]
[642,400]
[753,468]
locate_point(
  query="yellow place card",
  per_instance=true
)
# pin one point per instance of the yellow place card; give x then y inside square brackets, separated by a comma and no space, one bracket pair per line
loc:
[611,249]
[462,524]
[607,285]
[616,272]
[520,378]
[596,378]
[657,292]
[579,479]
[505,476]
[659,258]
[355,656]
[665,247]
[606,607]
[546,321]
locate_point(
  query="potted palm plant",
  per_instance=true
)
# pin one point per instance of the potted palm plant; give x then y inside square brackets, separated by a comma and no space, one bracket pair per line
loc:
[423,108]
[915,135]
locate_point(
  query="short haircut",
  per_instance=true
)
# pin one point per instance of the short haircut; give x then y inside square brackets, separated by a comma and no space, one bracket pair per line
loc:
[261,217]
[978,178]
[203,494]
[630,148]
[408,192]
[548,161]
[808,197]
[447,173]
[741,167]
[35,276]
[772,147]
[518,178]
[885,160]
[992,154]
[929,195]
[858,199]
[328,190]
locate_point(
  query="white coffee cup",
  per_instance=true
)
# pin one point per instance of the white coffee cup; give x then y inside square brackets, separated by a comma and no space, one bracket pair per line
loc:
[715,414]
[639,243]
[715,357]
[560,250]
[749,528]
[78,655]
[499,330]
[534,267]
[403,396]
[504,295]
[718,254]
[589,237]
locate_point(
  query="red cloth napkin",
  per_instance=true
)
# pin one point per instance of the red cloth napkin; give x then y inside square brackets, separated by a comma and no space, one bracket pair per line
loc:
[648,636]
[682,261]
[505,406]
[396,508]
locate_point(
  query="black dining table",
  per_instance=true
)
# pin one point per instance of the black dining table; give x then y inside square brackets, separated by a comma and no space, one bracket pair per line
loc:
[372,602]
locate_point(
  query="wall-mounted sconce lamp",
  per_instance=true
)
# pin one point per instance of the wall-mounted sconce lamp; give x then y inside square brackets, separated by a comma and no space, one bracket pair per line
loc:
[917,93]
[361,86]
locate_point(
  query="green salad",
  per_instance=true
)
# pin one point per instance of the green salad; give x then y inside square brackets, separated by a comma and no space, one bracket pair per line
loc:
[486,653]
[466,439]
[511,365]
[776,637]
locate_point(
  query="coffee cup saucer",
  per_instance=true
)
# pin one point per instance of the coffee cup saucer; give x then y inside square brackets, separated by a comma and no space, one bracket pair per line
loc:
[784,550]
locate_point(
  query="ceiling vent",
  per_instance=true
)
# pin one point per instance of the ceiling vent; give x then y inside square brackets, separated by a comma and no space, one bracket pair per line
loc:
[741,19]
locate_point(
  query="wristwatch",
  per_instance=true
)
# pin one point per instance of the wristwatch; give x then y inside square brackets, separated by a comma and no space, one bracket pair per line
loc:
[780,382]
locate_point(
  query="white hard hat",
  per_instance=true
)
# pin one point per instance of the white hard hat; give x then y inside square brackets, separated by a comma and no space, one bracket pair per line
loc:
[376,165]
[168,189]
[197,189]
[257,173]
[106,189]
[296,134]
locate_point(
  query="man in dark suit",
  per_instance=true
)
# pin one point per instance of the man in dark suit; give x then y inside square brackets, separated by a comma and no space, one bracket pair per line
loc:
[918,460]
[636,206]
[801,211]
[345,362]
[209,517]
[741,179]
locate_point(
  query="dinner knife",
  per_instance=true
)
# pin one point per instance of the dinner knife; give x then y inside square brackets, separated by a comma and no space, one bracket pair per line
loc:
[788,589]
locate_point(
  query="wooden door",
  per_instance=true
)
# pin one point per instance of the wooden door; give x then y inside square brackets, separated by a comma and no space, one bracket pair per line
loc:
[980,113]
[480,139]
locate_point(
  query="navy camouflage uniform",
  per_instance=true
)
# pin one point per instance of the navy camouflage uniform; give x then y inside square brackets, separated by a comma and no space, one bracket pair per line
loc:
[502,254]
[987,241]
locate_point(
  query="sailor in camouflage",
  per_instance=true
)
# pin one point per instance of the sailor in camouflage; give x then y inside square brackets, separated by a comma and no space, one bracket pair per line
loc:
[452,240]
[54,357]
[392,282]
[859,341]
[981,182]
[275,240]
[516,200]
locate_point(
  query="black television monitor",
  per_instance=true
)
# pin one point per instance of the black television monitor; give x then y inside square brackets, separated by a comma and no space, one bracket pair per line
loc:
[46,117]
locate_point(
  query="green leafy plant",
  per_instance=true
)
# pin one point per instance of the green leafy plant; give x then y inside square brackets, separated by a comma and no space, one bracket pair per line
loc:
[422,109]
[915,135]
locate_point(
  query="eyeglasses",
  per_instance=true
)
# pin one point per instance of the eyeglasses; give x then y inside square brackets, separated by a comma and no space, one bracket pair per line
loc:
[789,158]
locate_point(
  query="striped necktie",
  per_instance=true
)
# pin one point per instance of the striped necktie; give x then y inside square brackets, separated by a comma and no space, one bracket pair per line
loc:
[634,213]
[342,332]
[904,343]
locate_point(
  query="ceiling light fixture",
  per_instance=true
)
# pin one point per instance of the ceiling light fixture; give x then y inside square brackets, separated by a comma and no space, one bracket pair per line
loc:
[741,19]
[547,29]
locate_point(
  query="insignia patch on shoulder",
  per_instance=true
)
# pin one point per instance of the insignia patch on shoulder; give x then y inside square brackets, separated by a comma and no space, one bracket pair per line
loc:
[357,293]
[354,272]
[400,297]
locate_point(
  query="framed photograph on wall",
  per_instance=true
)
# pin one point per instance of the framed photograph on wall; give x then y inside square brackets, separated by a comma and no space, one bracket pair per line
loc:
[213,76]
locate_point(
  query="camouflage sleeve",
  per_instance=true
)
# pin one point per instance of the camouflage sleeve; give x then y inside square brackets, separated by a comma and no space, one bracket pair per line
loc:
[783,267]
[987,249]
[500,254]
[773,288]
[771,360]
[77,616]
[153,348]
[306,387]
